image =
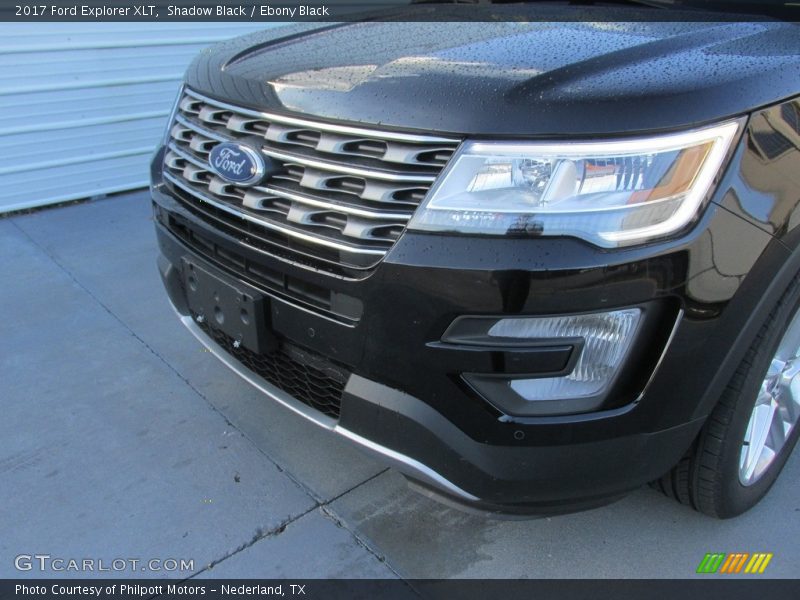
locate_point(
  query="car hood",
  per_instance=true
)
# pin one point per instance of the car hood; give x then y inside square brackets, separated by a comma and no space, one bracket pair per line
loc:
[508,78]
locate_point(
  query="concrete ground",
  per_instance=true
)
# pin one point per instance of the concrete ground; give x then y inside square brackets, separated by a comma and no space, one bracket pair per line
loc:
[120,437]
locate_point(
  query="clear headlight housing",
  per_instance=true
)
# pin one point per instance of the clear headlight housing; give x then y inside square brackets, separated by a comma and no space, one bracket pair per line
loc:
[610,193]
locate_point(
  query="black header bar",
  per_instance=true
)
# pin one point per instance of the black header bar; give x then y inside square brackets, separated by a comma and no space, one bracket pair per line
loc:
[710,587]
[392,10]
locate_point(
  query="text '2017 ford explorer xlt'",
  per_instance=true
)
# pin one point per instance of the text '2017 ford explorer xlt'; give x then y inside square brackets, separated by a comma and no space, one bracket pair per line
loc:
[531,265]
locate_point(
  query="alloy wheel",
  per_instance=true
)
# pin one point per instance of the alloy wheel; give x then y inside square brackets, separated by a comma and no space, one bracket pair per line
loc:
[776,410]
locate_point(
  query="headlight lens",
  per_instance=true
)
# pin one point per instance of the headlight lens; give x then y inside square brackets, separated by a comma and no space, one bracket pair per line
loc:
[611,193]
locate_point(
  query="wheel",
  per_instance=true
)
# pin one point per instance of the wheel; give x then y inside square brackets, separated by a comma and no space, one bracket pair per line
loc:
[751,432]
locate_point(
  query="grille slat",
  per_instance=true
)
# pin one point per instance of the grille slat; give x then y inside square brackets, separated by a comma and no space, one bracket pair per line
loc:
[196,100]
[348,209]
[357,223]
[340,188]
[198,171]
[350,167]
[203,139]
[311,238]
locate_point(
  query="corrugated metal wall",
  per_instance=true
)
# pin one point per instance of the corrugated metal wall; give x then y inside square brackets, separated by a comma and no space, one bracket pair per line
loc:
[82,105]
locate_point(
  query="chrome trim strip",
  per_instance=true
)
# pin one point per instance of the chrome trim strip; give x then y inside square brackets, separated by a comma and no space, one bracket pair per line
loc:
[289,157]
[267,225]
[174,148]
[408,465]
[255,380]
[202,130]
[324,165]
[672,334]
[347,129]
[403,463]
[350,210]
[173,113]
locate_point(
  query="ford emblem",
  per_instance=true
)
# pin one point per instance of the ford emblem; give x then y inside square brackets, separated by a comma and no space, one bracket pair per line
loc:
[237,163]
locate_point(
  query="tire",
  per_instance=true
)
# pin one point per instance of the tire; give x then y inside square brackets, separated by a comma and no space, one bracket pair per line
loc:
[710,477]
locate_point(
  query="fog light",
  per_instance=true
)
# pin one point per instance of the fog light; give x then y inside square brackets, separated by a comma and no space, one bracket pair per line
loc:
[602,342]
[606,340]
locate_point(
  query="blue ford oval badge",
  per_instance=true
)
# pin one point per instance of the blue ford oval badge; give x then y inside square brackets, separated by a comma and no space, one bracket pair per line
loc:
[237,163]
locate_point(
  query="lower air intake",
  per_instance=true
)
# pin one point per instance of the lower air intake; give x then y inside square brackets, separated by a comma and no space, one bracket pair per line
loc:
[306,377]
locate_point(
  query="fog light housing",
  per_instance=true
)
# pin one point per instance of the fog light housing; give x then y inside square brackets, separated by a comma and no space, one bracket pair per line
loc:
[602,342]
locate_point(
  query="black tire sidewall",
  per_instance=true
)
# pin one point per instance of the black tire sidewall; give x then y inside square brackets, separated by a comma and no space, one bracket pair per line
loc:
[735,498]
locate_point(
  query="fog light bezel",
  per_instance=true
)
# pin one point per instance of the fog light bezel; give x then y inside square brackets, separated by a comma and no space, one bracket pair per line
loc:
[495,388]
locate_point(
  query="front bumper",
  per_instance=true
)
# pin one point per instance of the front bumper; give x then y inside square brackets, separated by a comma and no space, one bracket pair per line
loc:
[404,398]
[503,472]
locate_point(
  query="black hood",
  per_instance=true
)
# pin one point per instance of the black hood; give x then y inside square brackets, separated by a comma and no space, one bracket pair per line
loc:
[509,78]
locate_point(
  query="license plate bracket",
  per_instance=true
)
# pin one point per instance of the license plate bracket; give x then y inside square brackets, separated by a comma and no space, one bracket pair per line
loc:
[229,306]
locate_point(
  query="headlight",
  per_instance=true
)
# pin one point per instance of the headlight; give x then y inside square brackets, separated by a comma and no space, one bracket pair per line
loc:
[610,193]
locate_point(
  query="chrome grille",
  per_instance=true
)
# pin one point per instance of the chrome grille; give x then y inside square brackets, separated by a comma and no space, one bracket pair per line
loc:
[343,194]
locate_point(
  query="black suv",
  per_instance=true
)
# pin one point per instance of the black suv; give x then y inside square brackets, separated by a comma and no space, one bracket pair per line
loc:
[531,265]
